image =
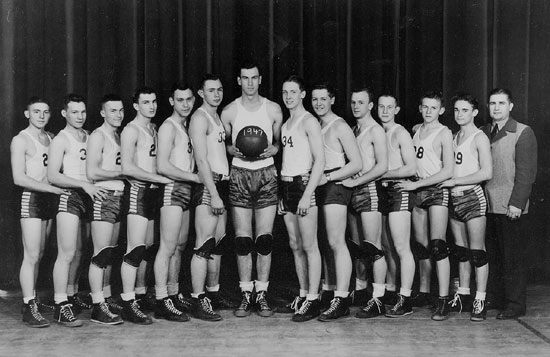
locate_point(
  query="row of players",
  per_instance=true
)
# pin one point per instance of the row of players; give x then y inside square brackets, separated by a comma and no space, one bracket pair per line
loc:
[325,163]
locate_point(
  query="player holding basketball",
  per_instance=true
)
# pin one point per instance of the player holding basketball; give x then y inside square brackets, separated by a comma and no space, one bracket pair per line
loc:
[253,188]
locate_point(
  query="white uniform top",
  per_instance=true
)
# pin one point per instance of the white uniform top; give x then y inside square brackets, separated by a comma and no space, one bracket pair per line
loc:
[466,160]
[215,143]
[181,155]
[74,161]
[366,149]
[297,156]
[146,150]
[395,160]
[428,162]
[36,165]
[110,161]
[258,118]
[334,159]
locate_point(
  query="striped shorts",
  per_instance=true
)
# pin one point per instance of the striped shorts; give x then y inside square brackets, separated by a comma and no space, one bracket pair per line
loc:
[468,204]
[108,209]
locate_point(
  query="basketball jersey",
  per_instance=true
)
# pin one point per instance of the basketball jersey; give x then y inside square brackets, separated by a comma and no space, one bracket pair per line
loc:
[181,155]
[334,159]
[366,149]
[297,156]
[110,161]
[258,118]
[74,161]
[36,165]
[146,150]
[395,160]
[215,143]
[428,163]
[466,160]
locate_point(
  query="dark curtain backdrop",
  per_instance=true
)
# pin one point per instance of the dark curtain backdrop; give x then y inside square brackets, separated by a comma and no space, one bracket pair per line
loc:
[52,47]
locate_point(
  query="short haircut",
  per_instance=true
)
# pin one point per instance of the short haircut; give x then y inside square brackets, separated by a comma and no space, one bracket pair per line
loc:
[208,77]
[467,98]
[249,64]
[71,97]
[34,99]
[326,86]
[142,90]
[110,98]
[502,91]
[298,80]
[389,95]
[433,94]
[180,85]
[363,88]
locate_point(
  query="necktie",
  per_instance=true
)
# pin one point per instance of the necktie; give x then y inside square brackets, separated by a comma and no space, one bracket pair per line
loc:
[494,131]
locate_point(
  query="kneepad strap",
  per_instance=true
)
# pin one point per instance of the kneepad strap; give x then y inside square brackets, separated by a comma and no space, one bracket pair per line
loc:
[479,257]
[135,256]
[205,250]
[440,249]
[461,253]
[264,244]
[103,258]
[243,245]
[372,251]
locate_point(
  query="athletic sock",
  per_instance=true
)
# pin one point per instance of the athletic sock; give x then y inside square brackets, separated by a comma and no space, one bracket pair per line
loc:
[196,295]
[140,290]
[97,297]
[378,290]
[480,295]
[391,287]
[303,293]
[213,289]
[71,290]
[107,291]
[360,284]
[328,287]
[311,297]
[246,285]
[26,299]
[261,285]
[463,291]
[173,288]
[342,294]
[161,292]
[405,292]
[128,296]
[59,298]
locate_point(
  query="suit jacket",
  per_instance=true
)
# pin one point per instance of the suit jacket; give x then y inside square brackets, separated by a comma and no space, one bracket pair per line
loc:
[514,152]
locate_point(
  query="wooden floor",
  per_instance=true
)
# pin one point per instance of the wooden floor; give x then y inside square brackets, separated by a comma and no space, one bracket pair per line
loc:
[415,335]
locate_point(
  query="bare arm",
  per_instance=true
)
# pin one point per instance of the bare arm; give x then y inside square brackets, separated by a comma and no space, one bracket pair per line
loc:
[275,113]
[406,148]
[227,117]
[315,139]
[166,138]
[94,160]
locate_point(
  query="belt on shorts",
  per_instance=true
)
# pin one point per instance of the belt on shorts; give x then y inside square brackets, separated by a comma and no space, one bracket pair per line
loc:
[220,177]
[292,178]
[117,193]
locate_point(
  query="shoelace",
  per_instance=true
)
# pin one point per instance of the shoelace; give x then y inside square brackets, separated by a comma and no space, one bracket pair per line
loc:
[170,306]
[262,301]
[206,306]
[305,306]
[35,313]
[110,303]
[182,301]
[456,299]
[246,300]
[294,305]
[478,306]
[136,310]
[105,309]
[77,301]
[371,303]
[399,303]
[67,312]
[334,304]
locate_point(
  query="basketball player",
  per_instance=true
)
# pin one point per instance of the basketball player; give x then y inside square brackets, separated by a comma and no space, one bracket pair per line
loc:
[302,169]
[473,166]
[29,160]
[434,164]
[103,168]
[67,169]
[139,165]
[253,188]
[397,205]
[339,145]
[208,138]
[365,197]
[175,161]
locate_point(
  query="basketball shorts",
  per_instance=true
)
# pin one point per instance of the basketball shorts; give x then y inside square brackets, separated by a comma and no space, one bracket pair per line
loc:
[108,209]
[253,188]
[432,196]
[36,205]
[332,193]
[366,198]
[201,195]
[75,202]
[468,204]
[292,190]
[178,194]
[141,199]
[393,200]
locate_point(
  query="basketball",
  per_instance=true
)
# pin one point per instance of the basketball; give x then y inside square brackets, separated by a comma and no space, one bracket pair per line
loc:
[251,141]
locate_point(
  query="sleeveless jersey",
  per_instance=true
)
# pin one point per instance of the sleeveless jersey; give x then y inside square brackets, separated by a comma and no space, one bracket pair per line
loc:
[258,118]
[333,159]
[215,142]
[428,162]
[395,160]
[297,156]
[466,161]
[74,161]
[181,155]
[146,150]
[366,150]
[36,165]
[110,161]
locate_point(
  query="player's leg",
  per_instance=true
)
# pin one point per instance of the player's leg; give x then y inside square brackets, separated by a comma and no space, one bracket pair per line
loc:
[244,246]
[263,246]
[438,217]
[300,262]
[107,293]
[360,294]
[462,300]
[421,250]
[75,269]
[476,235]
[390,298]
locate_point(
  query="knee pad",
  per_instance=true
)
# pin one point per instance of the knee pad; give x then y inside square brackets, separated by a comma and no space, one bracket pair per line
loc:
[440,249]
[373,252]
[243,245]
[355,250]
[205,250]
[264,244]
[151,252]
[479,257]
[223,246]
[103,258]
[135,256]
[461,253]
[419,251]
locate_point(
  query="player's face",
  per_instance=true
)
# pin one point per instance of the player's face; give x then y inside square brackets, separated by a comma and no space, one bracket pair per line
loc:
[360,104]
[431,109]
[147,105]
[113,113]
[387,109]
[464,112]
[500,107]
[38,114]
[183,101]
[212,92]
[321,102]
[75,114]
[250,80]
[292,95]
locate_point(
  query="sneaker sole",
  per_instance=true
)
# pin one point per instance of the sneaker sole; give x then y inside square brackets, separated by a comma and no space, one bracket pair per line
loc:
[208,320]
[71,324]
[402,315]
[242,313]
[477,319]
[107,323]
[327,319]
[38,326]
[173,319]
[442,318]
[265,313]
